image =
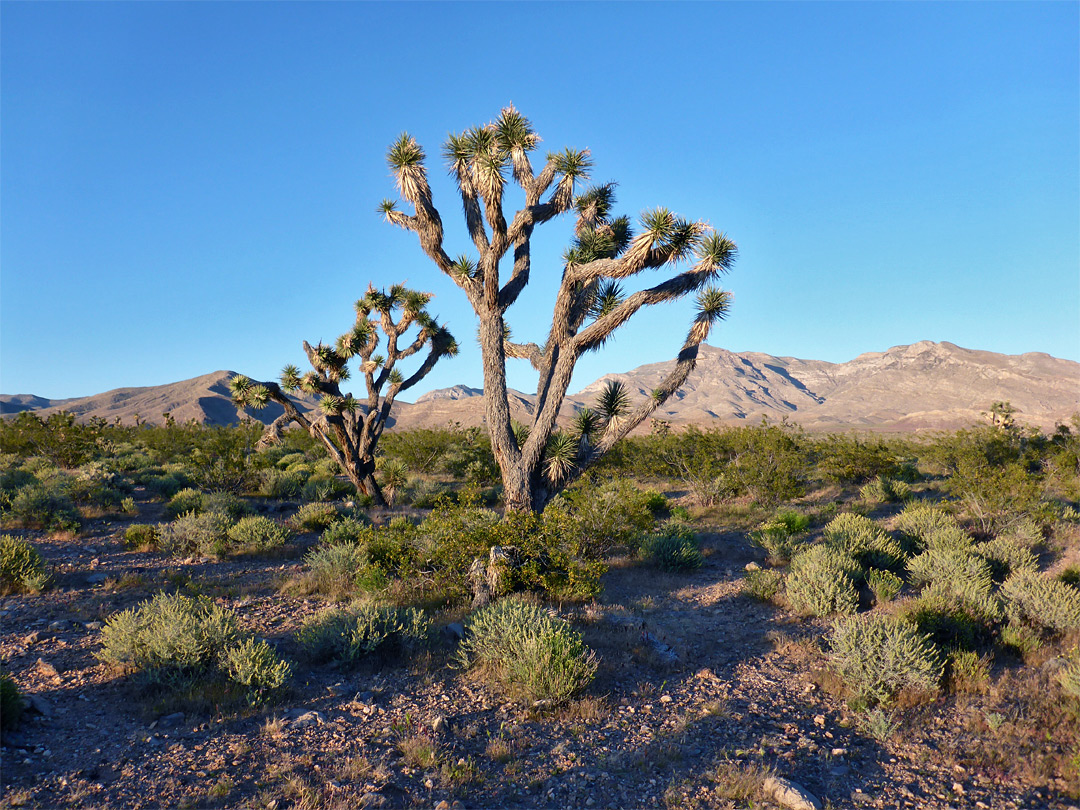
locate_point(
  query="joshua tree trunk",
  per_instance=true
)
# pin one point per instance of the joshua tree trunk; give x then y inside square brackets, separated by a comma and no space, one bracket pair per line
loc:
[589,307]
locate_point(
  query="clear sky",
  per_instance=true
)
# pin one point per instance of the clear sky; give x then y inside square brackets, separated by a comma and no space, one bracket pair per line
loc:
[186,187]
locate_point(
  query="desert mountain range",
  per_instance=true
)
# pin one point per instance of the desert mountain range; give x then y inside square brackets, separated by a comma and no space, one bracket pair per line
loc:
[924,386]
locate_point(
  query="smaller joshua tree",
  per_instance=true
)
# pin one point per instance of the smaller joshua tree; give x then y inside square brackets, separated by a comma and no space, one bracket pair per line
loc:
[349,429]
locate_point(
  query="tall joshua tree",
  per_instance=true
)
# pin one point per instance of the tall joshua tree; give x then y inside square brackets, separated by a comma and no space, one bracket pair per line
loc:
[347,428]
[590,304]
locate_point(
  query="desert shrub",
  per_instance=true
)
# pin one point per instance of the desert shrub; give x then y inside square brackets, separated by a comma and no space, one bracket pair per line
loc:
[141,535]
[822,581]
[919,520]
[22,568]
[958,581]
[96,484]
[876,656]
[673,547]
[535,655]
[326,488]
[258,533]
[349,529]
[174,640]
[226,503]
[1041,602]
[885,490]
[165,485]
[1005,556]
[341,569]
[1024,531]
[608,515]
[351,633]
[858,537]
[781,535]
[849,460]
[1069,675]
[290,459]
[11,704]
[968,671]
[1020,639]
[196,532]
[44,506]
[885,585]
[947,619]
[949,538]
[12,479]
[763,583]
[425,494]
[184,502]
[275,483]
[314,517]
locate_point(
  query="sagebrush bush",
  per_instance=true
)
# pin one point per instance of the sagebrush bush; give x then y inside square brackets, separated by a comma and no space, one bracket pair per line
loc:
[949,538]
[821,581]
[11,705]
[341,569]
[347,529]
[950,620]
[919,520]
[885,585]
[674,547]
[204,533]
[763,583]
[45,506]
[885,490]
[781,536]
[351,633]
[1038,601]
[876,656]
[141,536]
[1005,556]
[314,517]
[858,537]
[275,483]
[533,654]
[184,502]
[968,671]
[257,533]
[22,568]
[174,639]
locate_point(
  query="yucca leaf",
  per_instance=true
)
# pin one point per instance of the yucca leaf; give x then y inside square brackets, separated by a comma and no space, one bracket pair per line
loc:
[560,456]
[614,401]
[713,304]
[404,153]
[290,378]
[608,296]
[716,253]
[395,377]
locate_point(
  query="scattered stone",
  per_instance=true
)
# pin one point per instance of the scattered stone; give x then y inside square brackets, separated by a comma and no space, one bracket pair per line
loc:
[172,719]
[96,579]
[58,626]
[443,805]
[14,739]
[958,789]
[46,669]
[665,698]
[440,725]
[373,800]
[310,719]
[790,794]
[33,638]
[838,752]
[752,566]
[819,720]
[456,630]
[38,705]
[93,625]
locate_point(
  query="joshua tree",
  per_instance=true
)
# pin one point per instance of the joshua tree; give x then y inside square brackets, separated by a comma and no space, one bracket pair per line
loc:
[590,305]
[347,428]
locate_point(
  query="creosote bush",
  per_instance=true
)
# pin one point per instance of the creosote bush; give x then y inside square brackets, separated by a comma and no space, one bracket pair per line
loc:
[176,641]
[204,533]
[44,506]
[141,536]
[258,533]
[877,656]
[532,653]
[674,547]
[314,517]
[885,585]
[351,633]
[822,580]
[763,583]
[781,536]
[22,568]
[859,538]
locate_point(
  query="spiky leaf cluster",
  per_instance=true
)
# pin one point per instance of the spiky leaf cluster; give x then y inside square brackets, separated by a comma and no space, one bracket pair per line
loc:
[1038,601]
[822,581]
[858,537]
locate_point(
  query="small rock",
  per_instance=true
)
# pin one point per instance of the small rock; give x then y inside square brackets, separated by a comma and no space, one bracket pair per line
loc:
[790,794]
[33,638]
[443,805]
[838,752]
[310,719]
[455,630]
[752,566]
[373,800]
[96,579]
[39,705]
[172,719]
[57,626]
[665,698]
[46,669]
[93,625]
[839,770]
[819,720]
[958,788]
[440,725]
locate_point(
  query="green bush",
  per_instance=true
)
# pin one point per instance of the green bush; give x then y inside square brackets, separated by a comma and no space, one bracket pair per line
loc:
[314,517]
[184,502]
[859,538]
[275,483]
[258,533]
[342,569]
[226,503]
[949,621]
[141,535]
[877,656]
[1024,531]
[345,530]
[885,490]
[781,536]
[326,488]
[1005,557]
[949,538]
[533,654]
[608,515]
[673,548]
[288,460]
[22,568]
[968,671]
[884,584]
[919,520]
[822,581]
[204,533]
[1020,639]
[763,583]
[95,484]
[44,506]
[174,640]
[1041,602]
[11,704]
[351,633]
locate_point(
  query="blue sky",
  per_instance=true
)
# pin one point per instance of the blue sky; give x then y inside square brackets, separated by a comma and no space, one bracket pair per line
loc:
[187,187]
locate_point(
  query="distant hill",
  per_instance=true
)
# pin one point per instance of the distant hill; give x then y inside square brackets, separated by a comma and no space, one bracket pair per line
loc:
[924,386]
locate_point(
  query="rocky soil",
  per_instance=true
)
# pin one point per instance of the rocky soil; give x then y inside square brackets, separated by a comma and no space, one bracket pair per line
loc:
[702,694]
